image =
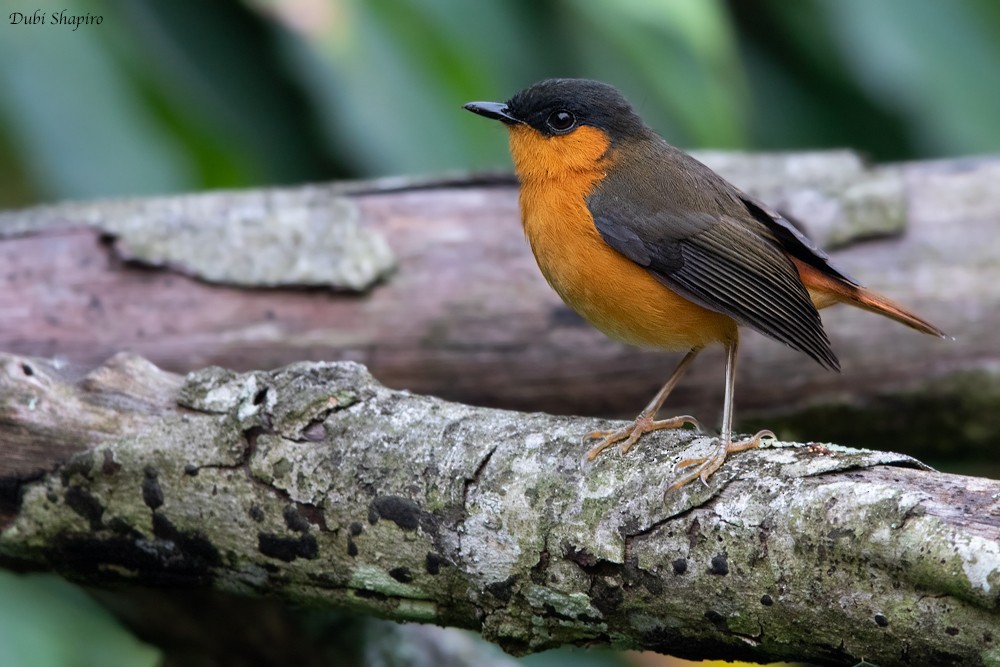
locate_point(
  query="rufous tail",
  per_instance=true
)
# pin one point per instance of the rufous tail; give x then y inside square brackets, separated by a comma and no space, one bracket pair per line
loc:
[826,290]
[876,303]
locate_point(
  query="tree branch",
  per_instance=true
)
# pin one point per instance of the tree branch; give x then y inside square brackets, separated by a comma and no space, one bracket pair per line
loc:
[316,484]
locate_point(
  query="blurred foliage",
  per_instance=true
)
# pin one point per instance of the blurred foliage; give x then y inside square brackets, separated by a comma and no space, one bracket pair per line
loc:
[46,622]
[179,95]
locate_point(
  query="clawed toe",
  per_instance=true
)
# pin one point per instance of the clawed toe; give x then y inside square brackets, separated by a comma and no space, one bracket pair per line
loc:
[629,435]
[705,467]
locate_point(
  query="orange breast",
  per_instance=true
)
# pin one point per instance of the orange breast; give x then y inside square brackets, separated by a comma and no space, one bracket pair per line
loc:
[614,294]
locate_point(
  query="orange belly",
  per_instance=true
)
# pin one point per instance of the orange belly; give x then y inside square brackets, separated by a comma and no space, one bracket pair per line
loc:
[615,295]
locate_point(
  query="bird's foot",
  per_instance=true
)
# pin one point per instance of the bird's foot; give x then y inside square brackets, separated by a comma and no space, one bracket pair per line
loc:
[703,468]
[629,435]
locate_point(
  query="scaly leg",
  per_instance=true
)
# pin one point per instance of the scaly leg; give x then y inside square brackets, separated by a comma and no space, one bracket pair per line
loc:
[705,467]
[645,422]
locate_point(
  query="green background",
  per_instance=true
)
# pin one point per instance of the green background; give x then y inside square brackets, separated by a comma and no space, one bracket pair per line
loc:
[181,95]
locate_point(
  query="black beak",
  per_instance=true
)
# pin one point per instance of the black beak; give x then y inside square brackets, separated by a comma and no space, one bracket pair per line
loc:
[494,110]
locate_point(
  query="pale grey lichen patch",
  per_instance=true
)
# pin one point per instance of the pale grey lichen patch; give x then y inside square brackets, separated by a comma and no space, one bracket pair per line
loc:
[186,444]
[746,510]
[973,562]
[875,519]
[798,460]
[301,399]
[872,511]
[259,246]
[980,562]
[498,535]
[213,389]
[875,206]
[256,238]
[300,469]
[292,400]
[343,400]
[491,546]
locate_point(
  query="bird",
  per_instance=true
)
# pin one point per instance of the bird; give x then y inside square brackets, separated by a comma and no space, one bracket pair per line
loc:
[657,250]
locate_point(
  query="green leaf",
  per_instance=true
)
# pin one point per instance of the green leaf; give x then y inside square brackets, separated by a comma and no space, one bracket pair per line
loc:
[933,61]
[47,622]
[675,60]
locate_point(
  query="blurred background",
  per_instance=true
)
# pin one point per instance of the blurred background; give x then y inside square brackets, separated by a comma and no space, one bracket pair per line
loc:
[182,95]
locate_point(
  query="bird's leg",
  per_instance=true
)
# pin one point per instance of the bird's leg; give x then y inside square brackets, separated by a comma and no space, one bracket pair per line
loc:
[703,468]
[645,422]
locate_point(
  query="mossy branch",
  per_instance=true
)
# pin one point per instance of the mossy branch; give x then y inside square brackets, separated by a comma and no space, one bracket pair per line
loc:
[315,484]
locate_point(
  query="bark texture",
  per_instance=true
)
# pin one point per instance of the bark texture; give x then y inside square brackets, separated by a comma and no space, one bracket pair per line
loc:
[315,484]
[453,305]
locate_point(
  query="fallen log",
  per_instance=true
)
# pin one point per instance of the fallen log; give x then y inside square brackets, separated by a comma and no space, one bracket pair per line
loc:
[317,485]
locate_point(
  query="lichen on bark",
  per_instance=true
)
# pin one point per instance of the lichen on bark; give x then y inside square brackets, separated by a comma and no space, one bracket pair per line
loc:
[316,484]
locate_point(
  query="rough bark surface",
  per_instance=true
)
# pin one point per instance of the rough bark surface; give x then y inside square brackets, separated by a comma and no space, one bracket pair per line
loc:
[316,484]
[462,312]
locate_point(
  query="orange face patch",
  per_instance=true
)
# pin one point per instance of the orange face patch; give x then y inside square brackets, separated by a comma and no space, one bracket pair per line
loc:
[538,156]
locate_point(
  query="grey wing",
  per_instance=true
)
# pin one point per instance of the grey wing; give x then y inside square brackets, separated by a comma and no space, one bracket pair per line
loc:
[727,264]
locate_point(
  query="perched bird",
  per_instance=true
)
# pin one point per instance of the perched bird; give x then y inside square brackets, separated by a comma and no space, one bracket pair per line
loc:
[655,249]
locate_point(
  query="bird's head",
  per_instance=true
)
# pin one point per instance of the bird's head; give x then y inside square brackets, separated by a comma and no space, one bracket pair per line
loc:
[563,124]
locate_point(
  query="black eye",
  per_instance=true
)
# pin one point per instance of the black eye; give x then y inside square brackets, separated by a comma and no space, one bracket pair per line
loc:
[561,121]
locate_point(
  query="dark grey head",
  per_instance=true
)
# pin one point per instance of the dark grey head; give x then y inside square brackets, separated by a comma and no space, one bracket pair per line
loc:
[558,106]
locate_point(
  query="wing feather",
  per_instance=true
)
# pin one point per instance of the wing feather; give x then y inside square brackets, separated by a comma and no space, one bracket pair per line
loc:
[713,250]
